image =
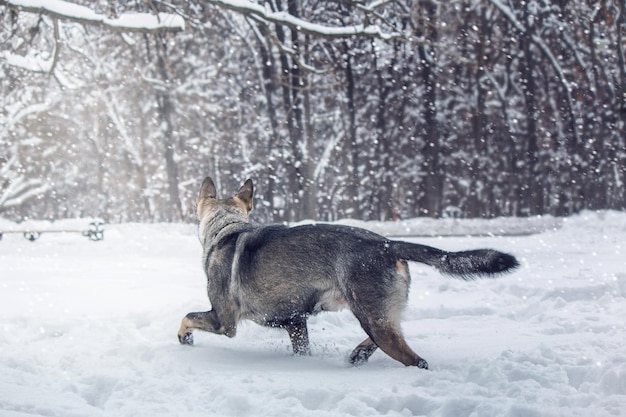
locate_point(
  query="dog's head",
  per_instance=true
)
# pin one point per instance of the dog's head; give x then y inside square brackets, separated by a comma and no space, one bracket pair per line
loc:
[208,204]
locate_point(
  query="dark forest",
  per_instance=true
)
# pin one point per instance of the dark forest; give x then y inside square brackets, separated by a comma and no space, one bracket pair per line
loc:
[374,110]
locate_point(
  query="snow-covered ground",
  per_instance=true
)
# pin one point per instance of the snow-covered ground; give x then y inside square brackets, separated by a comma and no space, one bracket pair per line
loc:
[89,329]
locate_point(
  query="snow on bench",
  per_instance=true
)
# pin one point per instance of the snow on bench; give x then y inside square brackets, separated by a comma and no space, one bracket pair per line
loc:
[32,232]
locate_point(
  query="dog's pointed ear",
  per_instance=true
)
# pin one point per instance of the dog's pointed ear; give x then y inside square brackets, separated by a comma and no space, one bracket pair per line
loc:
[207,190]
[246,193]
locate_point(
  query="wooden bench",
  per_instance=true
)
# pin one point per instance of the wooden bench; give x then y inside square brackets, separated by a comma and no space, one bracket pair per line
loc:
[95,232]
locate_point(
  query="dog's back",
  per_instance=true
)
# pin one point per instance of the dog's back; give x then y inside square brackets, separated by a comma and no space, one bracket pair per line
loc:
[311,268]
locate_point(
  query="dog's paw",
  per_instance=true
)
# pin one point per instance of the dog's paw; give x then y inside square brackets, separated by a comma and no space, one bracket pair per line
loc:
[186,339]
[422,364]
[358,358]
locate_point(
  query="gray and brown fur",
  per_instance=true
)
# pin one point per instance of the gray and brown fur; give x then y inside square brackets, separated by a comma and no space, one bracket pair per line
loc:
[278,276]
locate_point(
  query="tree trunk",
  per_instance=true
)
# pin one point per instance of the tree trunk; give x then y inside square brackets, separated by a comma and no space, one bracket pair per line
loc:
[530,188]
[166,113]
[476,200]
[431,186]
[351,145]
[269,88]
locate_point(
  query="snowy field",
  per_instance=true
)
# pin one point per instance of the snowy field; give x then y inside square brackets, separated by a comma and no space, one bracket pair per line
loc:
[89,329]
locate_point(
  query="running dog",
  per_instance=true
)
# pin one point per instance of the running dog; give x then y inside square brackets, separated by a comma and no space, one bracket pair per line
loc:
[278,276]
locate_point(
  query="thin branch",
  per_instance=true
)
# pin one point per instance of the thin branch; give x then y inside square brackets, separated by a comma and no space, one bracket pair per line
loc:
[545,50]
[57,45]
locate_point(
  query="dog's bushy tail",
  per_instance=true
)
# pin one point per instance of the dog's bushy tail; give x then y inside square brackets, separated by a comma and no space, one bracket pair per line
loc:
[466,265]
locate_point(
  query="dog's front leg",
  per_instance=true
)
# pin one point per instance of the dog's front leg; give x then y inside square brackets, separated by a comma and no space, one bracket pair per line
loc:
[299,335]
[207,321]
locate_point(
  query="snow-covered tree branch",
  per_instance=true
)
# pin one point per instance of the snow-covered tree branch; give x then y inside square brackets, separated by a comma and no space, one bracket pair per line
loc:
[127,22]
[284,18]
[16,189]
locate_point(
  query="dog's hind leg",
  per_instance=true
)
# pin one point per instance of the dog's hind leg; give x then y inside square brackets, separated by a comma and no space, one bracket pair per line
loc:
[381,322]
[393,344]
[299,335]
[383,331]
[362,352]
[207,321]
